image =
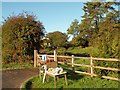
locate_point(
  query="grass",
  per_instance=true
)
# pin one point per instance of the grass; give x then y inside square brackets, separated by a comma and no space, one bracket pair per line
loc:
[85,52]
[17,65]
[77,51]
[74,81]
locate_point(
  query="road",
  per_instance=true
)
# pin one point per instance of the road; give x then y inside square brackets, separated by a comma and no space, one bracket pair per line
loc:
[14,78]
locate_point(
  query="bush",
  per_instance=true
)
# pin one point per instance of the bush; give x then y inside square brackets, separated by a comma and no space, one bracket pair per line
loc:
[21,35]
[102,72]
[61,51]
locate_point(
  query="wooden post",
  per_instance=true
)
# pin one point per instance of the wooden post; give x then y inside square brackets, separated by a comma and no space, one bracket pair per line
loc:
[54,81]
[91,68]
[55,55]
[66,79]
[35,58]
[72,62]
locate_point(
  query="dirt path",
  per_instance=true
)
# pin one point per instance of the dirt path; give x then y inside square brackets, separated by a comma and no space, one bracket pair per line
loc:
[14,78]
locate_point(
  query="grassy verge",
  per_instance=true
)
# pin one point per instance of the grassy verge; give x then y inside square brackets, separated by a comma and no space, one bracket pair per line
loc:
[17,65]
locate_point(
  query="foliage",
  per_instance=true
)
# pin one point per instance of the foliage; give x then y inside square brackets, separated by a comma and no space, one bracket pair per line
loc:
[67,45]
[74,28]
[21,35]
[101,72]
[61,51]
[79,41]
[75,31]
[109,36]
[100,25]
[100,29]
[57,39]
[45,43]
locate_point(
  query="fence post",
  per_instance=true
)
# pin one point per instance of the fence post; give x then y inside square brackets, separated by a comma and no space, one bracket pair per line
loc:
[35,58]
[91,68]
[72,62]
[55,55]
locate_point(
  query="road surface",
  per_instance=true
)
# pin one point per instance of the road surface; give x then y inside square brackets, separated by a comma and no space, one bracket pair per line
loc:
[14,78]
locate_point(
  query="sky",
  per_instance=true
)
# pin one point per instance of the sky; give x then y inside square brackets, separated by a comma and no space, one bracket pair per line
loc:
[55,16]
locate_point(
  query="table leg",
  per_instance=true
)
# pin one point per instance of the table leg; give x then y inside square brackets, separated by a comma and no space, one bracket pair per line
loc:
[44,77]
[55,82]
[66,79]
[47,78]
[57,77]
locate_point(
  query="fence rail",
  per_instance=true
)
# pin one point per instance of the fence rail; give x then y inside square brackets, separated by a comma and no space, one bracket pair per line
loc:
[91,65]
[87,58]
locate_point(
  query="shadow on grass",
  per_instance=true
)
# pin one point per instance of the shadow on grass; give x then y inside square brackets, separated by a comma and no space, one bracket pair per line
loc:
[77,54]
[28,85]
[70,72]
[74,76]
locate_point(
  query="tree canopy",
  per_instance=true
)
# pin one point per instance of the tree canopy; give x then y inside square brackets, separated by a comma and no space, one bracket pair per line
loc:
[99,28]
[74,28]
[21,34]
[57,38]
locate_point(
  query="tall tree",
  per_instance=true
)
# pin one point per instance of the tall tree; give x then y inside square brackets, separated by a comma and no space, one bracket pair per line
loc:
[108,36]
[94,15]
[100,25]
[21,34]
[74,28]
[74,31]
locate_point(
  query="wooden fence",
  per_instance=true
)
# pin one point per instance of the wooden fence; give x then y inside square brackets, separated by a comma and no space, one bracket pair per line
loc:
[91,65]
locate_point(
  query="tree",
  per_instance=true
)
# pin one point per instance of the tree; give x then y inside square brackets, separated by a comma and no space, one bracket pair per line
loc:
[74,28]
[80,41]
[95,13]
[109,36]
[100,25]
[75,31]
[57,39]
[21,35]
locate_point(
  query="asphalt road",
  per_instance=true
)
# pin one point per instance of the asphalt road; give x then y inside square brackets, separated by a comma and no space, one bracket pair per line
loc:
[14,78]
